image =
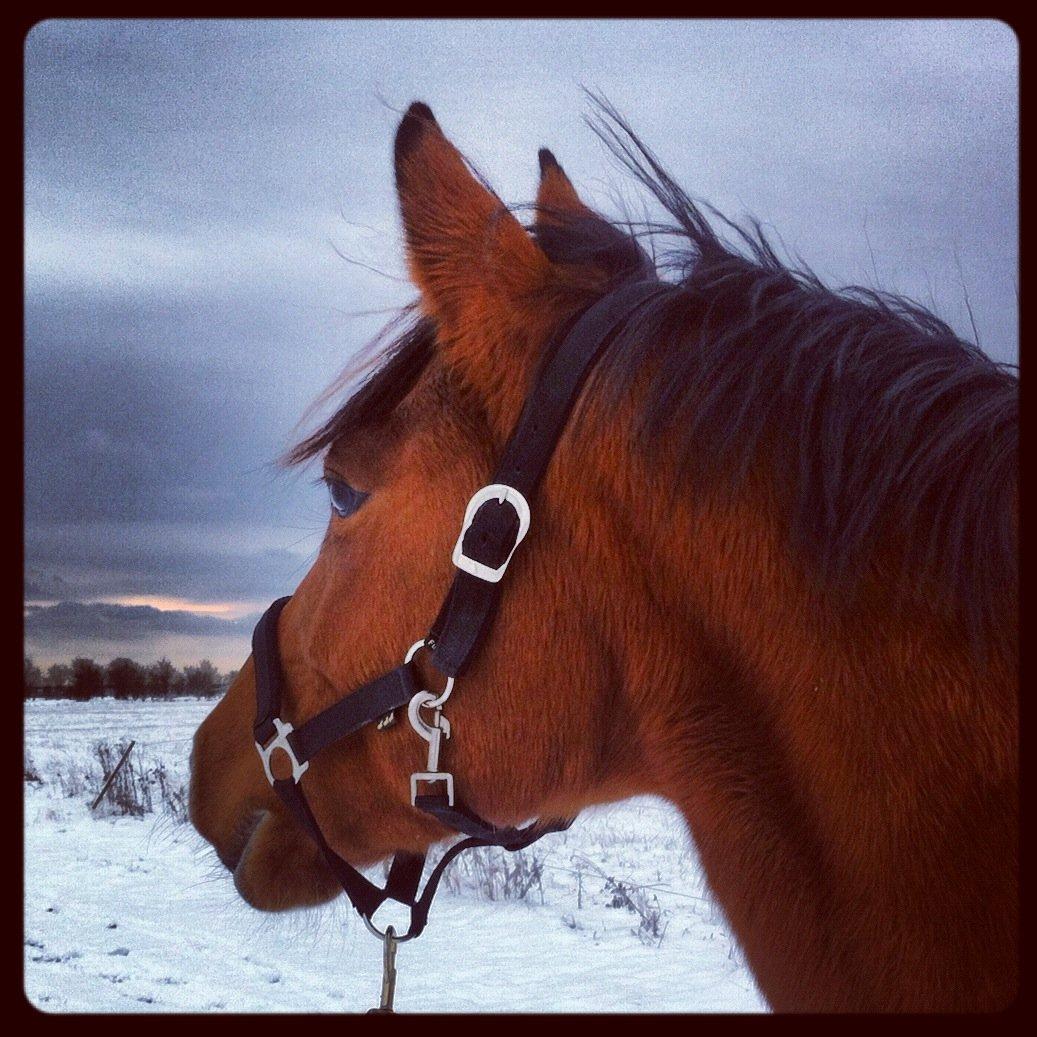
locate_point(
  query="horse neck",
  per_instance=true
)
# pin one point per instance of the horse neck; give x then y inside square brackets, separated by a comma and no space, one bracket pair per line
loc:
[848,774]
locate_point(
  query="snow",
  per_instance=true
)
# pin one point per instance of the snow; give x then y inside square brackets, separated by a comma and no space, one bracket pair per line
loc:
[127,914]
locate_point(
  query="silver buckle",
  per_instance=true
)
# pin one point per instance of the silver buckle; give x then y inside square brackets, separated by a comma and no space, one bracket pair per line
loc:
[280,741]
[501,493]
[431,776]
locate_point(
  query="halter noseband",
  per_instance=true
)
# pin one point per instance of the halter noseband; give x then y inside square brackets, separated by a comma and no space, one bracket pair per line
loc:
[496,520]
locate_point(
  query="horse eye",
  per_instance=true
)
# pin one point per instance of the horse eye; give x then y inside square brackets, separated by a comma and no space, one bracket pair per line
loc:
[344,499]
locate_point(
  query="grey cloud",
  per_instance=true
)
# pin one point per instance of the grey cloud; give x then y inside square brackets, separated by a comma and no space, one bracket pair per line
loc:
[154,438]
[255,134]
[184,182]
[47,586]
[123,622]
[201,562]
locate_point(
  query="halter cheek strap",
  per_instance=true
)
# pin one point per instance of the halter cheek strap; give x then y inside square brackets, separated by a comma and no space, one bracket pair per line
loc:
[496,524]
[496,521]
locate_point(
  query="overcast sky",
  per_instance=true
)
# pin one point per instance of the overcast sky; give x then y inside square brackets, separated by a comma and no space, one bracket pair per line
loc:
[187,185]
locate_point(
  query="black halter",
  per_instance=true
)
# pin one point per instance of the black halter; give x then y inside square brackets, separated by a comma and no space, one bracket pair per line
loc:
[489,536]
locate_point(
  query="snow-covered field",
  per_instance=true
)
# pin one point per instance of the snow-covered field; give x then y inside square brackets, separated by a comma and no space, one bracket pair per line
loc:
[126,914]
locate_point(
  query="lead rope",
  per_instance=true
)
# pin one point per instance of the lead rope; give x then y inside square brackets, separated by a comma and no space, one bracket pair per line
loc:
[389,945]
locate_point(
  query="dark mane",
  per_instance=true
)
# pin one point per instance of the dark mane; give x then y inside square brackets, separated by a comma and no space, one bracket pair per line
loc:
[884,426]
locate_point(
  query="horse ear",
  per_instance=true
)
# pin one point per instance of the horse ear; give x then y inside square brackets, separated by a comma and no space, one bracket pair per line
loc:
[467,253]
[586,251]
[557,201]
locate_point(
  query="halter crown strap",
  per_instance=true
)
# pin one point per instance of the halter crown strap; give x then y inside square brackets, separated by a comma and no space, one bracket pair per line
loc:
[471,603]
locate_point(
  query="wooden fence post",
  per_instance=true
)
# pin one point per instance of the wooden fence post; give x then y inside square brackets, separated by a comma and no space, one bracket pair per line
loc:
[111,777]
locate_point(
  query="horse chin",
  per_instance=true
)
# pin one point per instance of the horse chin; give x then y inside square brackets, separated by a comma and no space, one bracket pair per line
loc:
[280,869]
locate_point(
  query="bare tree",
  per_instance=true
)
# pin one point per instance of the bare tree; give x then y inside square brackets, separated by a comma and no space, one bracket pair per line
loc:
[33,676]
[59,675]
[125,677]
[87,679]
[203,679]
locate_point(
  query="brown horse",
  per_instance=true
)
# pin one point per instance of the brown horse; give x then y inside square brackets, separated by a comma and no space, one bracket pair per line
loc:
[771,576]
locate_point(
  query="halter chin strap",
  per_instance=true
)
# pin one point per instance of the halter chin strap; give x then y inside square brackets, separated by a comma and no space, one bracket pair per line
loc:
[496,521]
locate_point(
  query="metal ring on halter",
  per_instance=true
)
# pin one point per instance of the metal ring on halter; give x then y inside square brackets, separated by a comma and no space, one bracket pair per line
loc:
[434,703]
[281,742]
[381,936]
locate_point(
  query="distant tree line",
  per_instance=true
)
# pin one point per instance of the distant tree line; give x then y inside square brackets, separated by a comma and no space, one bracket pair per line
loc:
[124,679]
